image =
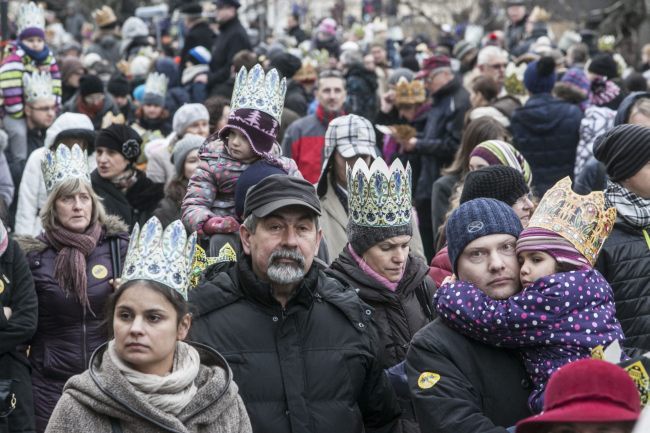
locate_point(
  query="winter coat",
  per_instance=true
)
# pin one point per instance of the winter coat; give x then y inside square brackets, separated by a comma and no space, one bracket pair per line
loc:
[16,64]
[624,261]
[437,145]
[7,187]
[17,292]
[575,314]
[440,267]
[160,168]
[312,366]
[592,177]
[441,193]
[109,106]
[200,34]
[596,122]
[101,395]
[459,385]
[108,48]
[546,131]
[296,99]
[18,151]
[303,142]
[232,39]
[361,88]
[67,332]
[515,33]
[334,222]
[398,314]
[32,194]
[134,206]
[211,191]
[169,208]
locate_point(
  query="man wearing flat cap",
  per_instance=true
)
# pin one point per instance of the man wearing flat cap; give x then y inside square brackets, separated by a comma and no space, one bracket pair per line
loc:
[624,260]
[303,347]
[232,39]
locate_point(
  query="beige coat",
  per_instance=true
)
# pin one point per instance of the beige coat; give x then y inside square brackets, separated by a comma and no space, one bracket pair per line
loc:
[92,398]
[334,222]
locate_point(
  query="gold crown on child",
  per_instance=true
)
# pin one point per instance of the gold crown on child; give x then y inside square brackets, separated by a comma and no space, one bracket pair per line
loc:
[157,84]
[409,93]
[259,91]
[37,85]
[30,15]
[62,164]
[379,196]
[163,256]
[580,219]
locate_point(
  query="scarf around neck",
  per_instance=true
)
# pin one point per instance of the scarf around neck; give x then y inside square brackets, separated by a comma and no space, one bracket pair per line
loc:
[38,56]
[325,117]
[365,267]
[70,262]
[629,206]
[169,393]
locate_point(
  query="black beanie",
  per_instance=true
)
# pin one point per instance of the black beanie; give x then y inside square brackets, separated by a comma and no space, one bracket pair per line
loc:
[286,64]
[604,64]
[118,85]
[121,138]
[89,84]
[624,150]
[362,238]
[499,182]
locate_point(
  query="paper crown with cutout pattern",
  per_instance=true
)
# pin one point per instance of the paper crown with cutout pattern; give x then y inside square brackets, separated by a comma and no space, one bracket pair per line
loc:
[580,219]
[379,196]
[62,164]
[256,90]
[37,85]
[409,93]
[156,84]
[30,17]
[163,256]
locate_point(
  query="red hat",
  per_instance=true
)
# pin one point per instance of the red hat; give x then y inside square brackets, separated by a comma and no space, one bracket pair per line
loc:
[433,63]
[588,390]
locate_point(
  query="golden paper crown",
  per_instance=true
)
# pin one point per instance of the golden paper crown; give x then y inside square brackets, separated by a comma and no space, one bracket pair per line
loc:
[104,16]
[409,93]
[580,219]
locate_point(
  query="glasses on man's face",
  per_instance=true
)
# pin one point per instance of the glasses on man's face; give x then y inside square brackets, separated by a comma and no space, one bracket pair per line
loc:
[92,99]
[497,65]
[49,108]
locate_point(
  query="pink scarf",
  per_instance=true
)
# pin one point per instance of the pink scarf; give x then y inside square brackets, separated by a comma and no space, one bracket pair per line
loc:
[371,272]
[70,262]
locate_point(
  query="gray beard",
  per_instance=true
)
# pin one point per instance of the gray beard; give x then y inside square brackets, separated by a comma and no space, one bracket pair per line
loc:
[286,273]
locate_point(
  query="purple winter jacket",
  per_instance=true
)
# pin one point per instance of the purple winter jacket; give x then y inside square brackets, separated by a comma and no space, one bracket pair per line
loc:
[556,320]
[67,334]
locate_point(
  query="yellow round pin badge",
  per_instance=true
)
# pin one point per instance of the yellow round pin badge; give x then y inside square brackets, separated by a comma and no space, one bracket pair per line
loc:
[428,380]
[2,286]
[99,271]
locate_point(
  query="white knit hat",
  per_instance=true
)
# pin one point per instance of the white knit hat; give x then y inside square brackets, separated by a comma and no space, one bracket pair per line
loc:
[188,114]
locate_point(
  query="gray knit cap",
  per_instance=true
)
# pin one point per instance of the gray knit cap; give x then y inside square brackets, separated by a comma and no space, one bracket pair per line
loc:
[182,148]
[188,114]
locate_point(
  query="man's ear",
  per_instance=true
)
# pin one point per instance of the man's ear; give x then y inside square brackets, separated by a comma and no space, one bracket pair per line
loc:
[244,236]
[319,238]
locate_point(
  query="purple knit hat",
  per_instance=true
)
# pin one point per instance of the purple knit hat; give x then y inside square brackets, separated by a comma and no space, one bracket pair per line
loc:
[577,78]
[538,239]
[31,32]
[259,128]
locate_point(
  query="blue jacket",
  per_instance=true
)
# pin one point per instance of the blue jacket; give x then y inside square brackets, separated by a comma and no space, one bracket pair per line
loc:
[546,131]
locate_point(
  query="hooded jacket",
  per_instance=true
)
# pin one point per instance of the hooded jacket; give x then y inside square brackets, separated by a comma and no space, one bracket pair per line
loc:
[361,87]
[67,332]
[312,366]
[232,39]
[101,395]
[547,126]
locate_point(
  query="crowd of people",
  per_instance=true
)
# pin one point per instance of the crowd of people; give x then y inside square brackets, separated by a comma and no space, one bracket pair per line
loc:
[335,229]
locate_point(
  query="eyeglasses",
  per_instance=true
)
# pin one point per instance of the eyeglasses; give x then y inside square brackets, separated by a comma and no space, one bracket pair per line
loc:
[497,65]
[52,108]
[93,98]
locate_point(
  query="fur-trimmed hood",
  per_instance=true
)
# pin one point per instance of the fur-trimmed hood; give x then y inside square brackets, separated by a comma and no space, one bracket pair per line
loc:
[114,227]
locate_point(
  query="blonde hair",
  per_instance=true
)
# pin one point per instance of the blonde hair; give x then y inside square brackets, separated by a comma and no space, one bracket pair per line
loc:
[49,216]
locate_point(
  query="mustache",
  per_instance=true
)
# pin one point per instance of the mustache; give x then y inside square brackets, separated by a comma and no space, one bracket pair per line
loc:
[285,253]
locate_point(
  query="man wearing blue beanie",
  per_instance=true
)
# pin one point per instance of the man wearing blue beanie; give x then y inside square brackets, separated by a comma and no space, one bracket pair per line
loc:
[459,385]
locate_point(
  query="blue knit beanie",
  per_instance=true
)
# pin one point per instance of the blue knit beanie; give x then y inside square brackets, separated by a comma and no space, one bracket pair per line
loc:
[539,76]
[475,219]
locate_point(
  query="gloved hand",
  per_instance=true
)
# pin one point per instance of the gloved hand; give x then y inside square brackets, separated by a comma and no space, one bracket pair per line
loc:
[219,224]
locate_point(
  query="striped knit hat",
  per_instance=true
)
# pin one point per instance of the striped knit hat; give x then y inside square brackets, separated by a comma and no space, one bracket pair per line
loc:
[563,251]
[496,152]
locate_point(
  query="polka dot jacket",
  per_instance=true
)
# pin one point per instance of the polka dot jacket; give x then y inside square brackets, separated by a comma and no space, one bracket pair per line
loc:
[556,320]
